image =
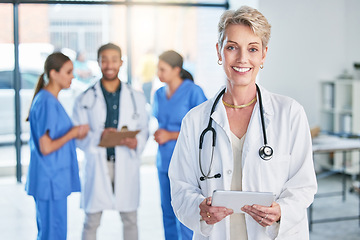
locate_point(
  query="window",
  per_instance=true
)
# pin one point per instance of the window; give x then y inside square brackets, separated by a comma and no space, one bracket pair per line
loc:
[79,30]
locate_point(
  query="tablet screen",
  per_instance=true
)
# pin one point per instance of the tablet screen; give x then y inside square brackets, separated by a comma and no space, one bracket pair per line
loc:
[235,200]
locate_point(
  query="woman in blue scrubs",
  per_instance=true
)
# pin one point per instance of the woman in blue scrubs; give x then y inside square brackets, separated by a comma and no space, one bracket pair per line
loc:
[170,105]
[53,171]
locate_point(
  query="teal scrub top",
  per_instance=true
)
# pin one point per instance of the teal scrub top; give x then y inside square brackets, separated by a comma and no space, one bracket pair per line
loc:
[55,175]
[170,112]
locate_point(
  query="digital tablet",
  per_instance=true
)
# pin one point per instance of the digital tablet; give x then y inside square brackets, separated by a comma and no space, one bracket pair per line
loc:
[235,200]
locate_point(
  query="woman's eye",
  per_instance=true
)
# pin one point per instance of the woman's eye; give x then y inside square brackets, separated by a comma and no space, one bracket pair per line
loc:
[253,49]
[231,48]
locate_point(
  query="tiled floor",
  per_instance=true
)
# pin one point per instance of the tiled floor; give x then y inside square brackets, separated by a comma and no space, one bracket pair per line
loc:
[17,213]
[335,207]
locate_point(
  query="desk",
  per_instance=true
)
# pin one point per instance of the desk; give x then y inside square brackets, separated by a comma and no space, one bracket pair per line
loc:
[332,144]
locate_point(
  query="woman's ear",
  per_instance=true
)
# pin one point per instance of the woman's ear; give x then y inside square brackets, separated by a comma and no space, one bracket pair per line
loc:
[52,74]
[218,51]
[178,70]
[264,55]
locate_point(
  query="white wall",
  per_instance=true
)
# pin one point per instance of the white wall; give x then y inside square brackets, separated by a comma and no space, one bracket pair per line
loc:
[352,31]
[311,40]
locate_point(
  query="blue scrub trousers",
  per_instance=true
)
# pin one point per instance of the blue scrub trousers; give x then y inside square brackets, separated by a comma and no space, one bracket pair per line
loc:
[51,218]
[173,228]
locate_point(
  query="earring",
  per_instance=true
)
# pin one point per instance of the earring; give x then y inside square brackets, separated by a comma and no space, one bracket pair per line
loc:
[219,62]
[261,66]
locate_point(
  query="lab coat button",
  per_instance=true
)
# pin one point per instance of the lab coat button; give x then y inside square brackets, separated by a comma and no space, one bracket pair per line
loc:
[229,172]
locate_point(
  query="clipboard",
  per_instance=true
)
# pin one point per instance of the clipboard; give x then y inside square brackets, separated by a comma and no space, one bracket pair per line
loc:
[112,139]
[235,200]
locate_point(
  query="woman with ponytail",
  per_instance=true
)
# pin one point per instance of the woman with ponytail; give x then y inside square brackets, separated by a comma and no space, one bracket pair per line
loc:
[170,105]
[53,171]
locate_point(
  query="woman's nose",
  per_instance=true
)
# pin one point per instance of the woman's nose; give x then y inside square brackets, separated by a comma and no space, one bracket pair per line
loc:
[242,57]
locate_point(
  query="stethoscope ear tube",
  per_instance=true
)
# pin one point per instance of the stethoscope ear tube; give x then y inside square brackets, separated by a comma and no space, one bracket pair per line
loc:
[135,115]
[83,102]
[202,135]
[265,152]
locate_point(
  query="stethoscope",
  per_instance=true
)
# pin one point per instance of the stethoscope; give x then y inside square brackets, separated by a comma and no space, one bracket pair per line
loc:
[91,106]
[265,152]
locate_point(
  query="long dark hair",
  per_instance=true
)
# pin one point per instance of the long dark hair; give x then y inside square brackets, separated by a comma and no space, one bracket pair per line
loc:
[54,61]
[174,59]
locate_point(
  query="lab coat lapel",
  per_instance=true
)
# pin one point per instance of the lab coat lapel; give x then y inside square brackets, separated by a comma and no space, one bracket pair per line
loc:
[220,118]
[125,107]
[254,134]
[268,107]
[251,162]
[101,108]
[223,148]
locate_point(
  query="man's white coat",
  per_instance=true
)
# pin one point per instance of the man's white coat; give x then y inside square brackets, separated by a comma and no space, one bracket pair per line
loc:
[96,191]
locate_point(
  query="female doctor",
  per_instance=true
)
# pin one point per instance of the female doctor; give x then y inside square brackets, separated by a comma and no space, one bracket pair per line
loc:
[262,144]
[110,176]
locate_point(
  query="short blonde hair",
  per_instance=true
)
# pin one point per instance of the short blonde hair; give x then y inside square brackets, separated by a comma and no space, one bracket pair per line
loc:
[247,16]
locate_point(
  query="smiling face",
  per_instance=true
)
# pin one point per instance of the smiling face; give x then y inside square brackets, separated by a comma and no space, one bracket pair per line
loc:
[166,72]
[64,76]
[110,63]
[242,54]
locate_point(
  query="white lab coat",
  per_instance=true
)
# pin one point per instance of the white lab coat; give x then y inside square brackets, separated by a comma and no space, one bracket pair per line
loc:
[289,174]
[96,191]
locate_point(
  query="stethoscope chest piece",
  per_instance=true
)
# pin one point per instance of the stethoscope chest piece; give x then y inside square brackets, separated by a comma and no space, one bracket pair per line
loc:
[135,116]
[266,152]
